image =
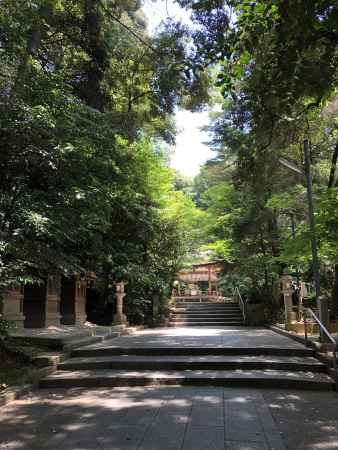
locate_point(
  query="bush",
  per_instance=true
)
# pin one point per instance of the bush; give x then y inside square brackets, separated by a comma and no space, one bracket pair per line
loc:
[5,326]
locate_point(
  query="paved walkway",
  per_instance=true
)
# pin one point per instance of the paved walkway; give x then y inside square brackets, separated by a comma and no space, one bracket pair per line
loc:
[171,418]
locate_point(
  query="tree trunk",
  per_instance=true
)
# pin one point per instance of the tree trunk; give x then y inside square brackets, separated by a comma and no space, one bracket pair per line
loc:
[334,296]
[333,167]
[92,91]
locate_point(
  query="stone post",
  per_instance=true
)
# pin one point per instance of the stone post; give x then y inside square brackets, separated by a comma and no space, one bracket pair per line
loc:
[12,306]
[53,289]
[119,317]
[287,294]
[80,300]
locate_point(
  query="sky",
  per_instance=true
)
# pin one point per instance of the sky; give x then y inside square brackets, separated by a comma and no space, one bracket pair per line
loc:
[190,152]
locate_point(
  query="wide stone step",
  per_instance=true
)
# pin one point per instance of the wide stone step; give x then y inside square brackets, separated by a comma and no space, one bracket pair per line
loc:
[207,318]
[210,362]
[215,323]
[253,378]
[201,306]
[206,305]
[206,313]
[211,311]
[111,350]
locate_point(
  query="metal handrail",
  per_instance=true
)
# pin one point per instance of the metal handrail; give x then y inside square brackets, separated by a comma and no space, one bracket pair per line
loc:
[241,303]
[328,335]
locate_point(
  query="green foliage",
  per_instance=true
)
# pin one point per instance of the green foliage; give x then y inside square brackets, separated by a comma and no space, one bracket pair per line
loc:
[277,63]
[229,282]
[5,327]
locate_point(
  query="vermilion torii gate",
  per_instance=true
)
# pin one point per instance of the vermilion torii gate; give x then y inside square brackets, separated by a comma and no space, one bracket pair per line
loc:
[205,272]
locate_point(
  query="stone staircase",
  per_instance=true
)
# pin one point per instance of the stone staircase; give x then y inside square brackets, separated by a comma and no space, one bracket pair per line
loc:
[206,314]
[130,363]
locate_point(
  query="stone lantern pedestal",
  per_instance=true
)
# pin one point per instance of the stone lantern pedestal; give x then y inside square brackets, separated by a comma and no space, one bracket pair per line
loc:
[119,316]
[73,300]
[53,300]
[287,291]
[12,306]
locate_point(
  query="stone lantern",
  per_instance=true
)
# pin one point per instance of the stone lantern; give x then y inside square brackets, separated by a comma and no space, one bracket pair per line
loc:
[119,317]
[287,291]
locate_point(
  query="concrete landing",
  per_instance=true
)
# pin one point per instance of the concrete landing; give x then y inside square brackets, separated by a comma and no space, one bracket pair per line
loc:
[223,337]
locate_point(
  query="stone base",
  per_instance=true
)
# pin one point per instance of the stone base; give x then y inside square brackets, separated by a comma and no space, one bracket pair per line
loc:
[80,319]
[17,320]
[53,320]
[120,318]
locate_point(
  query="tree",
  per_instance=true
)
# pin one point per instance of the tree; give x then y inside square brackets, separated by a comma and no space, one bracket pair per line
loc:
[86,99]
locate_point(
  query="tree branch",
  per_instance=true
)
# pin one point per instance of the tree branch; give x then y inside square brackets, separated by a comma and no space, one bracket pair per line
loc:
[132,32]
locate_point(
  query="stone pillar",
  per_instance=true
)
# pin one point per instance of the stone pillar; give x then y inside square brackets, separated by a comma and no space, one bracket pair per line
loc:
[67,300]
[12,306]
[119,317]
[287,291]
[73,300]
[34,305]
[80,299]
[53,289]
[41,305]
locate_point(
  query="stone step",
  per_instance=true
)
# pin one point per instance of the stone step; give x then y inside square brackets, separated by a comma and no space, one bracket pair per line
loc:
[233,317]
[206,305]
[202,299]
[210,362]
[215,323]
[83,342]
[111,350]
[205,313]
[252,378]
[65,340]
[202,309]
[213,312]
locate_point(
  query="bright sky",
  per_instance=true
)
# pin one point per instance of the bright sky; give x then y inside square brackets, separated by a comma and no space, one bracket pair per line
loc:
[190,152]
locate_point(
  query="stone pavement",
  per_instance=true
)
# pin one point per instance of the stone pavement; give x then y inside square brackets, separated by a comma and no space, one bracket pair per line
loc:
[171,418]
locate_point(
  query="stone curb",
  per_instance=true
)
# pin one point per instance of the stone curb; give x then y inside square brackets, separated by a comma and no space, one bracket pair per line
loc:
[317,346]
[319,349]
[283,332]
[15,393]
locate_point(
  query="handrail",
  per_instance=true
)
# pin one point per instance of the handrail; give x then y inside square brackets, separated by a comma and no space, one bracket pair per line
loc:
[328,335]
[241,303]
